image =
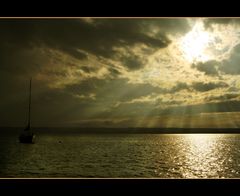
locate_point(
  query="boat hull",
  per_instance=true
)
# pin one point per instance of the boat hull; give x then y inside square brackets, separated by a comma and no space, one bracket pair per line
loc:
[27,139]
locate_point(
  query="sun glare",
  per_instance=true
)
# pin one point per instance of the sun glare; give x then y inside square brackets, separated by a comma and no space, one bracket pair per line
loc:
[194,44]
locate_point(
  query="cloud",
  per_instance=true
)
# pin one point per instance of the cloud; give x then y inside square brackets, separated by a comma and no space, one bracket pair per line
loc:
[21,60]
[89,96]
[232,65]
[77,37]
[63,49]
[133,62]
[167,25]
[108,69]
[71,35]
[178,87]
[209,22]
[225,97]
[118,92]
[111,90]
[206,120]
[224,106]
[202,87]
[209,67]
[229,65]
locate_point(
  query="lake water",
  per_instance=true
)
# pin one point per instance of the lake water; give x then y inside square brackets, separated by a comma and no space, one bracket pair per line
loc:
[122,156]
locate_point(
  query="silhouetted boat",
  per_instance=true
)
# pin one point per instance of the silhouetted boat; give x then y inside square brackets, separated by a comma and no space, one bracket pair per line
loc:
[28,136]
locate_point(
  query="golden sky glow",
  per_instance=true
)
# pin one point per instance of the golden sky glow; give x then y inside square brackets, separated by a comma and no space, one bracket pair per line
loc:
[194,43]
[114,71]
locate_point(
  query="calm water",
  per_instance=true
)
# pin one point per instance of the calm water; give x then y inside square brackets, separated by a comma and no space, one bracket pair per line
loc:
[123,155]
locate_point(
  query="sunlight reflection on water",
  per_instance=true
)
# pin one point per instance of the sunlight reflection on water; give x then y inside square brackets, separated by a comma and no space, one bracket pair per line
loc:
[124,155]
[202,158]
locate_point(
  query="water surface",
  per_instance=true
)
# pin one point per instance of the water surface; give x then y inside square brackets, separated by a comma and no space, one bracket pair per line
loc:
[122,155]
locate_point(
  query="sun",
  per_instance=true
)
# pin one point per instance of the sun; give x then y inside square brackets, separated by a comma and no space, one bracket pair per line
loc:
[194,44]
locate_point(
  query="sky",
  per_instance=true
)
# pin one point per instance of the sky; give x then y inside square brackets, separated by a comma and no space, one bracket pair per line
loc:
[121,72]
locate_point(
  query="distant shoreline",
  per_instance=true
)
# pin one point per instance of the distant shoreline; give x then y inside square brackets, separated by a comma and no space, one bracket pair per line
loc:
[130,130]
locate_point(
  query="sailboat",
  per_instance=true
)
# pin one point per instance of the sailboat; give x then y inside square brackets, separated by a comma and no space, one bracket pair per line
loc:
[27,136]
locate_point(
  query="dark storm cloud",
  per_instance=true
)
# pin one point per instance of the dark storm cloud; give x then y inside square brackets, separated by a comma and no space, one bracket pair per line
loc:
[111,90]
[50,107]
[227,66]
[127,32]
[88,69]
[48,101]
[178,87]
[15,49]
[209,67]
[114,72]
[233,88]
[232,65]
[226,97]
[75,53]
[225,106]
[222,21]
[70,35]
[128,110]
[150,110]
[170,102]
[133,62]
[24,52]
[166,25]
[19,59]
[202,87]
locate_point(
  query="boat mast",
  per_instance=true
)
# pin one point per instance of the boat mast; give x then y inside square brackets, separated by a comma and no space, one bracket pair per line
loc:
[29,107]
